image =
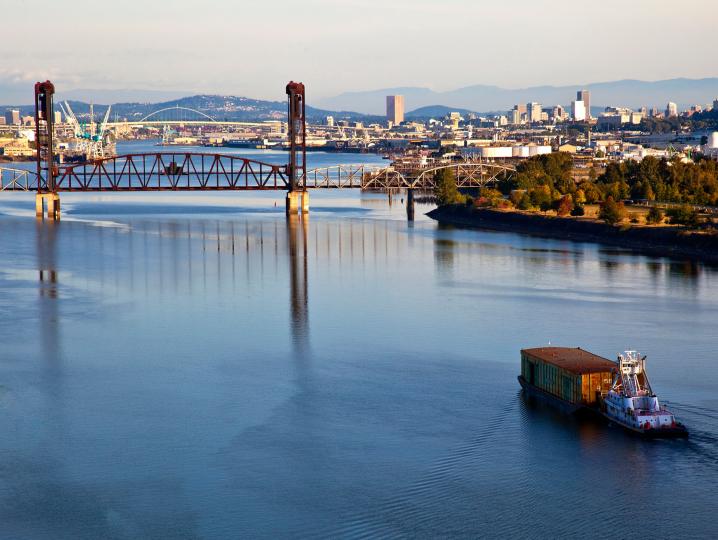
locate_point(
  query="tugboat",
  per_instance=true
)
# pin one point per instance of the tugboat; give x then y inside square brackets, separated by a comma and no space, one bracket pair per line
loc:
[632,404]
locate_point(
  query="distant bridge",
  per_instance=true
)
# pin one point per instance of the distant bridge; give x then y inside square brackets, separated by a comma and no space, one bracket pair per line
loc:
[187,116]
[191,171]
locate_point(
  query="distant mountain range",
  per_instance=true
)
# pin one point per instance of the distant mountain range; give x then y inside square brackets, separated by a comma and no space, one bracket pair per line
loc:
[369,106]
[629,93]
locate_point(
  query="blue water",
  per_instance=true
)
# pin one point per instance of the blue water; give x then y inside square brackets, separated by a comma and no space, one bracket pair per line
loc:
[195,366]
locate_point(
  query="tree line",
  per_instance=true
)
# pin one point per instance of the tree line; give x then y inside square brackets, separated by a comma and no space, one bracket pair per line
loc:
[547,182]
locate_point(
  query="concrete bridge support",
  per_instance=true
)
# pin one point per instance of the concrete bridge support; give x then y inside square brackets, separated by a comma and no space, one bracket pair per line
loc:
[297,201]
[410,204]
[49,201]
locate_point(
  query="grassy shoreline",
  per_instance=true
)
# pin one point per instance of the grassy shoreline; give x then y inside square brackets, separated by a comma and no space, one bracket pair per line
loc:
[662,241]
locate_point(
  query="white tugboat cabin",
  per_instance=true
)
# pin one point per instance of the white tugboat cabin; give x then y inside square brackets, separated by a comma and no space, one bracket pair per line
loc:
[631,402]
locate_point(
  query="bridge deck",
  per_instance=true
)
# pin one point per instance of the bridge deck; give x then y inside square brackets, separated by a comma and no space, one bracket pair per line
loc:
[188,171]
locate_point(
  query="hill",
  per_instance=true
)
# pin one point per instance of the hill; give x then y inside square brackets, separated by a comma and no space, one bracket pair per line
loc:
[218,107]
[630,93]
[435,111]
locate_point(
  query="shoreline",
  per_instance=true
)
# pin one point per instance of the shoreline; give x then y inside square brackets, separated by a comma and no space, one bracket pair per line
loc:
[668,241]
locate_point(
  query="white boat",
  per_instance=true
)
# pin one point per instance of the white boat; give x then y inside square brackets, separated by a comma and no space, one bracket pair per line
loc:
[632,404]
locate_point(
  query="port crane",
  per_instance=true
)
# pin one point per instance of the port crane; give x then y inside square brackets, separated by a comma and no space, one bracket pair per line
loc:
[89,142]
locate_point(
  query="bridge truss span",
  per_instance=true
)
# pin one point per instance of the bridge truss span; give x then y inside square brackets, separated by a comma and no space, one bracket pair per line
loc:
[171,171]
[190,171]
[17,179]
[467,174]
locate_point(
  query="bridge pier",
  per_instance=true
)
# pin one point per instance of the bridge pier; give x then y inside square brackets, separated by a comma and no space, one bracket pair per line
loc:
[305,202]
[410,204]
[51,201]
[293,202]
[297,201]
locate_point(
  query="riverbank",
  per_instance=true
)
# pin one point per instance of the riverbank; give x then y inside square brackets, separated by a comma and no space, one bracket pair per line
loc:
[657,241]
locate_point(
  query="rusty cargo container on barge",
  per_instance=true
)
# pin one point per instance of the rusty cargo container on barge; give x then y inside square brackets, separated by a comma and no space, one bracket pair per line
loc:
[570,379]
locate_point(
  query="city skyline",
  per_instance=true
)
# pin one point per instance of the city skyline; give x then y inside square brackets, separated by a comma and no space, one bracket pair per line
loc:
[186,51]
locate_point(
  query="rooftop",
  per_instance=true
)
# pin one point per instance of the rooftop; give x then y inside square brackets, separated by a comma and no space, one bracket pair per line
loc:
[576,360]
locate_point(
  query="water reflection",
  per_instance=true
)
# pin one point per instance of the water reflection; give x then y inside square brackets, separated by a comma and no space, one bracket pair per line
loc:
[299,281]
[47,233]
[198,399]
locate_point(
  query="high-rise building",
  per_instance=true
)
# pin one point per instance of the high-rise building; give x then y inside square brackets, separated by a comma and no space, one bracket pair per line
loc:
[395,109]
[533,110]
[578,111]
[515,117]
[585,96]
[329,121]
[58,117]
[671,109]
[12,117]
[715,104]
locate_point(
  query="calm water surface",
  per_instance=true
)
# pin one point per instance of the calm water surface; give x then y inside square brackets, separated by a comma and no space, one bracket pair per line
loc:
[195,366]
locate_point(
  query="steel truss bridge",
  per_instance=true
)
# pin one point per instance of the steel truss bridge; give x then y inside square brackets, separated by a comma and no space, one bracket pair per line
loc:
[190,171]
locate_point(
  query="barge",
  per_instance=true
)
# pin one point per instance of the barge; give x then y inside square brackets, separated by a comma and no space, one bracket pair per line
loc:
[575,381]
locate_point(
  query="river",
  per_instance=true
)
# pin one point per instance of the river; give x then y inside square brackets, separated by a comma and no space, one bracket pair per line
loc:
[196,366]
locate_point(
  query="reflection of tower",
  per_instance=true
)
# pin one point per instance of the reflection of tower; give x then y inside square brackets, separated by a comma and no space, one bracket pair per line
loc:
[298,281]
[49,341]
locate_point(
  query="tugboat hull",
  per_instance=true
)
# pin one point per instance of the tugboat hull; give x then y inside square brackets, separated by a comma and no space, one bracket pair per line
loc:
[678,431]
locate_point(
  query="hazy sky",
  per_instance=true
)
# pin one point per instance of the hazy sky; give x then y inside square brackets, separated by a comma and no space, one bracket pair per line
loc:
[248,47]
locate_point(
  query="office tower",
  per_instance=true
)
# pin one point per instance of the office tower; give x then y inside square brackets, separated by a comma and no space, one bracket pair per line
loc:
[578,111]
[515,115]
[671,109]
[585,96]
[12,117]
[395,109]
[533,110]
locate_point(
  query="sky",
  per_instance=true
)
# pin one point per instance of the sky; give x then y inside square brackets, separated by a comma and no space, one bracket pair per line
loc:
[253,47]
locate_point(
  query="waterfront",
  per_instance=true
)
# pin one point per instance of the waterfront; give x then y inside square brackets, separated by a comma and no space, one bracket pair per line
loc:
[191,366]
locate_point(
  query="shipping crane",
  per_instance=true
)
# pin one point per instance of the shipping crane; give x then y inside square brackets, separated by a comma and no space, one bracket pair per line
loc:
[88,141]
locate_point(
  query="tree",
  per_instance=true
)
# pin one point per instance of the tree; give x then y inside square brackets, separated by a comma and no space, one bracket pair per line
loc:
[524,203]
[565,206]
[591,192]
[445,189]
[654,216]
[541,197]
[578,211]
[683,215]
[612,212]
